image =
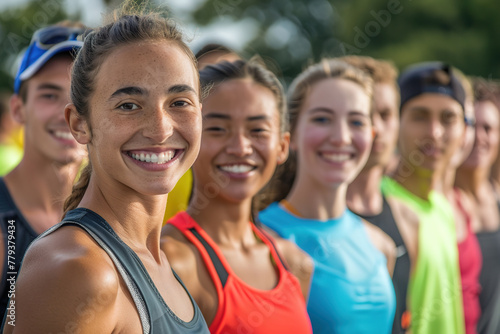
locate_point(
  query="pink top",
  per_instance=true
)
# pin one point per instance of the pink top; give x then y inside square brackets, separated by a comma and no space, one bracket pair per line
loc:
[471,261]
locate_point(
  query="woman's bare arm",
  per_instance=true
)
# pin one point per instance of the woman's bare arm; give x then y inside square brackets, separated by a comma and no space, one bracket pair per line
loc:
[67,283]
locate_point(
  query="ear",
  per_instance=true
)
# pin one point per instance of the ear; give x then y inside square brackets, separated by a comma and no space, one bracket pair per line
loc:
[283,148]
[77,124]
[17,109]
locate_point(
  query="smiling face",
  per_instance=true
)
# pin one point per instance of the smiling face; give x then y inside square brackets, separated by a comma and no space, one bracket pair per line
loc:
[431,130]
[485,148]
[46,131]
[241,142]
[145,120]
[333,135]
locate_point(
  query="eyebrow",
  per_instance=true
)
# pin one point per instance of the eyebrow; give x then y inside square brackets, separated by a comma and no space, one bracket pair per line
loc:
[49,86]
[228,117]
[128,91]
[133,90]
[215,115]
[322,109]
[330,111]
[181,89]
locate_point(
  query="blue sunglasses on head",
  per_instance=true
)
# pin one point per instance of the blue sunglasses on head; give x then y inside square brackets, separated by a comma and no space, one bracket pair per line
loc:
[46,43]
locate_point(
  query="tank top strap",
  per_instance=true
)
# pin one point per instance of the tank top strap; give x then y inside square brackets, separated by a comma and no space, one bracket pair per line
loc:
[460,206]
[207,248]
[94,227]
[268,240]
[155,315]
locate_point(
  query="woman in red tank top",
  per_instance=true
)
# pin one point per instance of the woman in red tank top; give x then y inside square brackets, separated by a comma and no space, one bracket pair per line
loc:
[240,277]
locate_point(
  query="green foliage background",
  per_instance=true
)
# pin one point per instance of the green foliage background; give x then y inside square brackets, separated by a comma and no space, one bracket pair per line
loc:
[293,33]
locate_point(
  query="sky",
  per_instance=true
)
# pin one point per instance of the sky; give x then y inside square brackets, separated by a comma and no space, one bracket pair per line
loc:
[225,31]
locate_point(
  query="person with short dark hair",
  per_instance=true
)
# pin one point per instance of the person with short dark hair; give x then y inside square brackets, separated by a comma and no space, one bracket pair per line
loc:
[32,195]
[432,127]
[364,195]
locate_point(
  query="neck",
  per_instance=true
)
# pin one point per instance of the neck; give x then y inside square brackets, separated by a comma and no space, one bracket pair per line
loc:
[418,181]
[39,185]
[136,218]
[317,201]
[364,195]
[227,223]
[472,180]
[449,180]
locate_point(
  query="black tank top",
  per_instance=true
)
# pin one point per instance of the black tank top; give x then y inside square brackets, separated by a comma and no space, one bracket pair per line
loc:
[156,317]
[490,282]
[385,221]
[17,236]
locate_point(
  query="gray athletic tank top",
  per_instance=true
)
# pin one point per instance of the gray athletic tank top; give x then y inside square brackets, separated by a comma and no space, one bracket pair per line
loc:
[156,317]
[386,222]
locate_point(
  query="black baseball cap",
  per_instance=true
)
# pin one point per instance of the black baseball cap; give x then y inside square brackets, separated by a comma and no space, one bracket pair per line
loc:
[428,78]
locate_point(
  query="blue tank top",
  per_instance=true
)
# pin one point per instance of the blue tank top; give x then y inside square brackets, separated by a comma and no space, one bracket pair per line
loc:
[156,317]
[351,290]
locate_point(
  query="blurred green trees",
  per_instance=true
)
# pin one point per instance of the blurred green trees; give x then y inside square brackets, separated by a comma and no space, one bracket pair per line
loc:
[296,32]
[293,33]
[17,24]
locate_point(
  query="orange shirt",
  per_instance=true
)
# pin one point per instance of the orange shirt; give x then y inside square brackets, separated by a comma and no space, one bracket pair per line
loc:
[242,308]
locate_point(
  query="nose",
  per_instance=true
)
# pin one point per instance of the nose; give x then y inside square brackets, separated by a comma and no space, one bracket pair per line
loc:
[341,134]
[239,144]
[377,124]
[436,129]
[159,125]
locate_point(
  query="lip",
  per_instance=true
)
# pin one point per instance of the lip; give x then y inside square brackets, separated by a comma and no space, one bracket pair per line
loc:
[237,175]
[336,158]
[152,166]
[431,152]
[64,141]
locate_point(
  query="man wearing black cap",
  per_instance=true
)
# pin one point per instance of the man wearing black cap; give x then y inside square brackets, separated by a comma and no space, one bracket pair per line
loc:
[33,194]
[432,128]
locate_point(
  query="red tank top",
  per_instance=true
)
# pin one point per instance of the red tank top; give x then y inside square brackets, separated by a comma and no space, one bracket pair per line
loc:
[242,308]
[470,259]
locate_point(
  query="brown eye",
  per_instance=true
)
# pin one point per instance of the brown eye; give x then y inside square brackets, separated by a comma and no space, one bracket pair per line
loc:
[128,106]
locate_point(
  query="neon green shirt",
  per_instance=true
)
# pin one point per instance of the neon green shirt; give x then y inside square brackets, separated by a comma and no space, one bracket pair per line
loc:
[10,156]
[434,292]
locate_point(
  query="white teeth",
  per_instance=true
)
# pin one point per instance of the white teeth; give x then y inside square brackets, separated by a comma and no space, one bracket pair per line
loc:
[154,158]
[63,135]
[237,168]
[337,157]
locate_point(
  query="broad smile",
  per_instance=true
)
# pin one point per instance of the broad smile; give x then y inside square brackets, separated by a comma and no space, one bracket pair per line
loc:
[338,157]
[238,170]
[159,158]
[154,161]
[63,136]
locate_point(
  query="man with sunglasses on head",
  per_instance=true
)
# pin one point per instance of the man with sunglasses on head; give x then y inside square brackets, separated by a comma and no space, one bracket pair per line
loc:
[33,193]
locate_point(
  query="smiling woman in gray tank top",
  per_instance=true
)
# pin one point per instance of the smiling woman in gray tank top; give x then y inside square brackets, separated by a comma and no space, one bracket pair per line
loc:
[136,105]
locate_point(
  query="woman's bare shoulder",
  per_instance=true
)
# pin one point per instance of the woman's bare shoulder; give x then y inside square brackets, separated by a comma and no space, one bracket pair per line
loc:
[66,281]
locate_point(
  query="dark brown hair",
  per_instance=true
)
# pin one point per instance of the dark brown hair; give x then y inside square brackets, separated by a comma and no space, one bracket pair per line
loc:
[253,69]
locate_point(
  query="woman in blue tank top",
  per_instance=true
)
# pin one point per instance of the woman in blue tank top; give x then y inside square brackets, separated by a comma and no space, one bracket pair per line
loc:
[331,137]
[136,105]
